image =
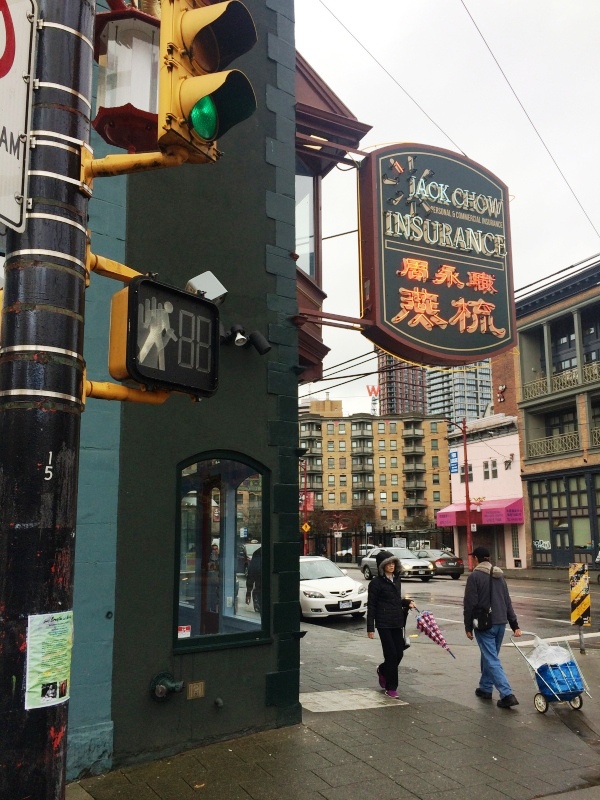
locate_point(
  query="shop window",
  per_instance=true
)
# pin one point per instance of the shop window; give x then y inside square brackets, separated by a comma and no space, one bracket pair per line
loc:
[221,552]
[514,535]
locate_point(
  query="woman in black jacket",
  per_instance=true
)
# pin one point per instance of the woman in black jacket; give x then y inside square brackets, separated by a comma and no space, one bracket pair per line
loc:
[387,611]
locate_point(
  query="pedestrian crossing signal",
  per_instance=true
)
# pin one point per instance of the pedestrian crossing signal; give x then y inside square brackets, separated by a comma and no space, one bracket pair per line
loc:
[164,338]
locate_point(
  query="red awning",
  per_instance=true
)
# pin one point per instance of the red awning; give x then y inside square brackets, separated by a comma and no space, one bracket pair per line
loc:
[493,512]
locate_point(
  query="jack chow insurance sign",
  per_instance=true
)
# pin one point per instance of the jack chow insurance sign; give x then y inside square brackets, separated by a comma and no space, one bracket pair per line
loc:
[17,45]
[436,275]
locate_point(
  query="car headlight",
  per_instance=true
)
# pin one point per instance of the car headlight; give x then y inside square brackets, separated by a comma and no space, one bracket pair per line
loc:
[431,565]
[362,589]
[311,593]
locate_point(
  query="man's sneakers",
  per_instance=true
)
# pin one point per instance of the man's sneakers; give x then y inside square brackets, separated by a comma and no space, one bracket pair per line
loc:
[381,678]
[508,701]
[484,695]
[392,693]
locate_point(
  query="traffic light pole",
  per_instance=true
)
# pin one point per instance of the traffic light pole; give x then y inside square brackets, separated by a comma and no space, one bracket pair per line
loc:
[41,384]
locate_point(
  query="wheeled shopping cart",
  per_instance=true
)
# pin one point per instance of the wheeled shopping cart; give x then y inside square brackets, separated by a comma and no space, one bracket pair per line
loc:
[554,671]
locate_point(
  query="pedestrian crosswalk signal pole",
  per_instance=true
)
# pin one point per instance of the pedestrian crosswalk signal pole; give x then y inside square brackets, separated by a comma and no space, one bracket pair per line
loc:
[41,380]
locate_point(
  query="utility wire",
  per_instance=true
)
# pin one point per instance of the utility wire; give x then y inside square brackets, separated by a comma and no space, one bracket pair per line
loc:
[537,133]
[389,74]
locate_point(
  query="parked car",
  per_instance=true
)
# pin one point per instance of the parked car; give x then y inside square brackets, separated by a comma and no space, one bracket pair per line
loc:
[411,566]
[326,590]
[444,562]
[347,555]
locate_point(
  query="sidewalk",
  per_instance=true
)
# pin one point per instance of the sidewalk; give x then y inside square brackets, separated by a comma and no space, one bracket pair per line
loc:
[440,743]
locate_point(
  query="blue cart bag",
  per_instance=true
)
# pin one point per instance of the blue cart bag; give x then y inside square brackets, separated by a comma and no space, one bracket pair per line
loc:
[559,680]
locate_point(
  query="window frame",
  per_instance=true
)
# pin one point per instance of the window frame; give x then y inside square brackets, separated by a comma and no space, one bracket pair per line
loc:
[221,641]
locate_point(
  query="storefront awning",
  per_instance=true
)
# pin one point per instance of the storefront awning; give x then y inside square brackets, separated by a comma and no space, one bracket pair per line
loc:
[505,511]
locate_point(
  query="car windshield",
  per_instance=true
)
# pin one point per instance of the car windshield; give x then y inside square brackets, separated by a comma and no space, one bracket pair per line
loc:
[400,552]
[315,570]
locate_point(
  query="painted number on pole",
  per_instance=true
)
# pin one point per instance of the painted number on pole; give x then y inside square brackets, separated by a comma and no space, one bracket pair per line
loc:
[579,582]
[18,22]
[49,470]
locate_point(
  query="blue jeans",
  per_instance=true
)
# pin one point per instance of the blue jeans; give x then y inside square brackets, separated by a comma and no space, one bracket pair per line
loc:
[492,673]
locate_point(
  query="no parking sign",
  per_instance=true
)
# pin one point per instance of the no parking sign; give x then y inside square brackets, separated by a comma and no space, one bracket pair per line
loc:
[18,21]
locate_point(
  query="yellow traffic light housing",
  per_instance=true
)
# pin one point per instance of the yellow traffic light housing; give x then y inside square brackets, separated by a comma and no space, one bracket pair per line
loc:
[198,101]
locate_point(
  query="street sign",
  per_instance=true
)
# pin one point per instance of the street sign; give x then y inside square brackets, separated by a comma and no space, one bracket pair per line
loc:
[306,527]
[453,456]
[18,25]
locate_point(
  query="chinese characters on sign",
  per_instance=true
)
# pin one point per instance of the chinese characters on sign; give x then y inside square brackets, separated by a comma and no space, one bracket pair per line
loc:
[436,277]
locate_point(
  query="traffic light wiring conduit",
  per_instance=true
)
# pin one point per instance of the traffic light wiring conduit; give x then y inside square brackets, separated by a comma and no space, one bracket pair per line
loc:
[105,390]
[125,164]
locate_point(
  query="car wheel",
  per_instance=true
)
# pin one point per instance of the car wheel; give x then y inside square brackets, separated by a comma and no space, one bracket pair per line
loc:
[455,577]
[428,578]
[358,615]
[367,573]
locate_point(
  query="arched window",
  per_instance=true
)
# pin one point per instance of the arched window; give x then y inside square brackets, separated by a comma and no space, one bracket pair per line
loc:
[223,550]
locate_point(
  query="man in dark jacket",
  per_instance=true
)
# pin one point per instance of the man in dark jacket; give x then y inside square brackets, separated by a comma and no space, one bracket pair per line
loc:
[482,591]
[254,579]
[387,611]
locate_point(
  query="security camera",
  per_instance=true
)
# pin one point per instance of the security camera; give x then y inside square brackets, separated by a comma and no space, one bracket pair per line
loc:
[207,285]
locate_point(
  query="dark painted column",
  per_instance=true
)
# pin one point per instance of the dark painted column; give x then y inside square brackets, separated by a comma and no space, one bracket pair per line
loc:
[41,370]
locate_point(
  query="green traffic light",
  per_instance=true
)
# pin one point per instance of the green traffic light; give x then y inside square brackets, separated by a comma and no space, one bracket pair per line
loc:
[204,118]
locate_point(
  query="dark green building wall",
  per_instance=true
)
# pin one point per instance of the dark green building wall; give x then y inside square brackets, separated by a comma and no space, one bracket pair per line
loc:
[235,218]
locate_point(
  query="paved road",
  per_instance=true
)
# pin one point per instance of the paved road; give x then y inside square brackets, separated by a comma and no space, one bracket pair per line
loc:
[439,743]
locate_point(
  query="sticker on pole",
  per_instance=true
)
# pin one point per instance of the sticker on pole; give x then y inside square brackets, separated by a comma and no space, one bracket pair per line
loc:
[579,581]
[49,646]
[18,25]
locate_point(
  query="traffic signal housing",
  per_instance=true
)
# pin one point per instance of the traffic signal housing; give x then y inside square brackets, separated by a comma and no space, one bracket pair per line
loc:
[198,100]
[164,338]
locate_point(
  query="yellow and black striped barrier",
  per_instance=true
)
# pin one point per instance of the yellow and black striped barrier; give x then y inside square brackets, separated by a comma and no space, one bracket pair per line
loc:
[579,582]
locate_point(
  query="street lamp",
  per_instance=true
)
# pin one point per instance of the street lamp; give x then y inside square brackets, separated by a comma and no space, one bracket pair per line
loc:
[463,429]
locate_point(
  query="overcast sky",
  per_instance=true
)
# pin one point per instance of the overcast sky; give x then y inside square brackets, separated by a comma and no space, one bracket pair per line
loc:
[513,84]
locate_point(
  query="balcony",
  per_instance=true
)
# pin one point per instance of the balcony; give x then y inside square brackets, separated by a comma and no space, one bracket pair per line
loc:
[363,450]
[408,468]
[308,431]
[554,445]
[412,502]
[413,450]
[368,468]
[562,381]
[408,485]
[318,468]
[360,486]
[413,433]
[361,435]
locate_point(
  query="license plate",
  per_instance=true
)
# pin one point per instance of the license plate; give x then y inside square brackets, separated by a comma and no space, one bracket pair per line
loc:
[345,604]
[451,563]
[422,572]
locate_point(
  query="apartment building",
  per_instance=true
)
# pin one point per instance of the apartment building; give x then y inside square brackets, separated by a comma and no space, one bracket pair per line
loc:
[402,386]
[460,392]
[557,388]
[455,393]
[379,474]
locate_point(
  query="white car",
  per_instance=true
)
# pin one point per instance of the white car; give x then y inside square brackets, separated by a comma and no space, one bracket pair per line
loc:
[326,590]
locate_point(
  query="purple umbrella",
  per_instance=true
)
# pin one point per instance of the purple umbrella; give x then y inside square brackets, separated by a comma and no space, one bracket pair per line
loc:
[427,624]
